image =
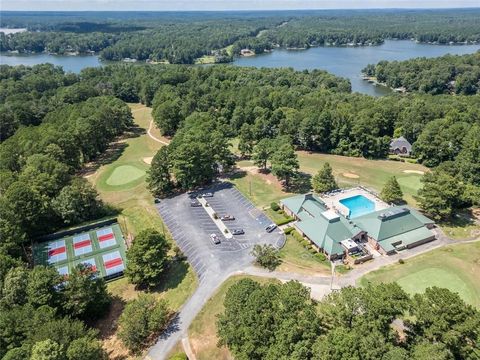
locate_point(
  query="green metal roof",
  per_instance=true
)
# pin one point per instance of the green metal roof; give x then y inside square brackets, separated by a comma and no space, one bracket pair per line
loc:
[325,233]
[396,224]
[406,239]
[402,220]
[306,202]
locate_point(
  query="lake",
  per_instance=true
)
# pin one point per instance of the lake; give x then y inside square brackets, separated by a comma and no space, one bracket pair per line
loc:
[69,63]
[347,62]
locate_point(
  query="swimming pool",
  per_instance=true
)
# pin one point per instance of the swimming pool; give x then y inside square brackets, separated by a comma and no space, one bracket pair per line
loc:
[358,205]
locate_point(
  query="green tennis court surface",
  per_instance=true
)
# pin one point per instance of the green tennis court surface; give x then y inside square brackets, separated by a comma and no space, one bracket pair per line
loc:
[103,248]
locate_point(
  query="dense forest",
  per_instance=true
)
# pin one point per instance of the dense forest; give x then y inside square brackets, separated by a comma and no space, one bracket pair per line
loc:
[181,39]
[456,74]
[368,323]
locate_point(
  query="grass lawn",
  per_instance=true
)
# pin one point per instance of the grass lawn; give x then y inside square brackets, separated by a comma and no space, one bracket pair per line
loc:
[295,258]
[176,286]
[257,189]
[371,173]
[462,226]
[202,331]
[456,268]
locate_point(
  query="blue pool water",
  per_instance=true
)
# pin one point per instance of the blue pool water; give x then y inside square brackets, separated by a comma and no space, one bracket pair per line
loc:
[358,205]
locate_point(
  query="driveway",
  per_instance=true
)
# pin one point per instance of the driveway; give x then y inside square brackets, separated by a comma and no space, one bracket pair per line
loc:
[191,228]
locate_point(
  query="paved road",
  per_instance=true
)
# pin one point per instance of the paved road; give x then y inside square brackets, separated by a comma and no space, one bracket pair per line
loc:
[191,228]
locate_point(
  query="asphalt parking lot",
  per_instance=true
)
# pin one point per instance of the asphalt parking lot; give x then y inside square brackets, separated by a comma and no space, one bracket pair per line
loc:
[191,228]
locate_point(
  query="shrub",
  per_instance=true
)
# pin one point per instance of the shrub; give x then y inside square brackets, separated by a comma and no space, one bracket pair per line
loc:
[225,231]
[321,256]
[179,356]
[284,221]
[274,206]
[401,261]
[266,256]
[288,230]
[215,216]
[312,250]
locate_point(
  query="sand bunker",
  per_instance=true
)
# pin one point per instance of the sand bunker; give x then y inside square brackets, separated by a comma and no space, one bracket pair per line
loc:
[351,175]
[419,172]
[148,160]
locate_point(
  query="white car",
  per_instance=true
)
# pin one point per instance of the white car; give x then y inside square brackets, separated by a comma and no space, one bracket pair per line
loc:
[227,217]
[270,228]
[215,239]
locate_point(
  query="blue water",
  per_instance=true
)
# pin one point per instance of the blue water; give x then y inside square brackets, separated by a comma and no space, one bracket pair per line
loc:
[358,205]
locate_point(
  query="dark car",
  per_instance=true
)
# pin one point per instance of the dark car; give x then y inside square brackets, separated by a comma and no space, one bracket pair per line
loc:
[237,232]
[270,228]
[195,203]
[156,201]
[227,217]
[207,194]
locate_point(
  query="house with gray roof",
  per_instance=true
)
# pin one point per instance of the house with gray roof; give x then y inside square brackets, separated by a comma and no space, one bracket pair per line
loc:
[400,146]
[396,228]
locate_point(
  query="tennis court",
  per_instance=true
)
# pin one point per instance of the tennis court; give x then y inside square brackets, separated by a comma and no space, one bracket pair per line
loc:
[103,248]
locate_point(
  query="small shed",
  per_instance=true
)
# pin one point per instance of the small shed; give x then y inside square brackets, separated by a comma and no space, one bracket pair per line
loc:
[400,146]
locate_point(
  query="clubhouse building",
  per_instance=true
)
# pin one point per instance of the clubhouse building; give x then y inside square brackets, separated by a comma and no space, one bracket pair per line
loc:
[375,226]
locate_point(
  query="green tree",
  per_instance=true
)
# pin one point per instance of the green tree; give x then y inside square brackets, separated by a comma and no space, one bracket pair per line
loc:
[42,287]
[85,293]
[267,256]
[262,152]
[391,192]
[47,350]
[147,258]
[14,290]
[441,316]
[285,163]
[85,349]
[159,178]
[78,202]
[286,329]
[141,319]
[427,351]
[324,180]
[440,194]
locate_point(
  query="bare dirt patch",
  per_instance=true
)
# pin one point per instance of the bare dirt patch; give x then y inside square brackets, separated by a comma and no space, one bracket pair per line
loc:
[148,160]
[419,172]
[269,178]
[350,175]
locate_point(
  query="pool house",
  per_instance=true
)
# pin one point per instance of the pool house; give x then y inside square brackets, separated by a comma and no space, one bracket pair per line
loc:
[360,228]
[328,231]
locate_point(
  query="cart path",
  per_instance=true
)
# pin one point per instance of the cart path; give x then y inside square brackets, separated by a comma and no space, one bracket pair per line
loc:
[149,132]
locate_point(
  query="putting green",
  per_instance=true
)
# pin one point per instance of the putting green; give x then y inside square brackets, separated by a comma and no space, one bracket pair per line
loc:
[420,280]
[124,174]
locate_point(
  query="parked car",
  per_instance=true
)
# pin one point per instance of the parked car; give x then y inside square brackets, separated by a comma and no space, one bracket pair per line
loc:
[207,194]
[192,195]
[215,239]
[270,228]
[227,217]
[195,203]
[237,232]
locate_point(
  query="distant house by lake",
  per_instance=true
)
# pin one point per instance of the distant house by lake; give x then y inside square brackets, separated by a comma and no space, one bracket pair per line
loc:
[400,146]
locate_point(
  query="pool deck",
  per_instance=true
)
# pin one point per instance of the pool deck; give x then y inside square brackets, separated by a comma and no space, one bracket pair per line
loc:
[333,200]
